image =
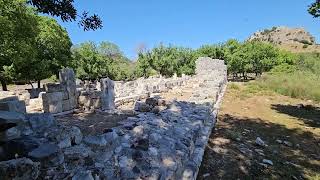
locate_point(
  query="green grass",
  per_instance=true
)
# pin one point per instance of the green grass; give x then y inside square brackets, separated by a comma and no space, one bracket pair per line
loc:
[299,84]
[234,86]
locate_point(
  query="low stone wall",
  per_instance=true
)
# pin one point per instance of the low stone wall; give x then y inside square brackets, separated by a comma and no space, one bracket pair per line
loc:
[150,85]
[60,97]
[90,94]
[164,144]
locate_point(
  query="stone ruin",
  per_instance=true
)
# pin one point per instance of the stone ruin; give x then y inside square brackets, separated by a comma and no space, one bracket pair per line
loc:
[165,139]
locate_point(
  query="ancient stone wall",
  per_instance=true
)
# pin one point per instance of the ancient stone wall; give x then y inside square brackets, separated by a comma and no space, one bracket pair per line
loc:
[60,97]
[164,144]
[123,92]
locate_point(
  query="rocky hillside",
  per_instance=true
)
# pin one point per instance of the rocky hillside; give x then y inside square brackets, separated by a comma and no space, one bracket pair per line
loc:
[292,39]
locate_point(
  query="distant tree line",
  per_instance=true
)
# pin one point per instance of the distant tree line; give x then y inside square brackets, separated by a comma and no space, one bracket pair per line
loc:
[35,47]
[241,58]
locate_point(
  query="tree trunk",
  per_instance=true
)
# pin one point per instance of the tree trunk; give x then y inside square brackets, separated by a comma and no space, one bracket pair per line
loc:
[39,84]
[4,85]
[31,84]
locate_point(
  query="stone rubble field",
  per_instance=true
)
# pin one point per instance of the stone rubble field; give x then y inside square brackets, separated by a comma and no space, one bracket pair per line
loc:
[165,138]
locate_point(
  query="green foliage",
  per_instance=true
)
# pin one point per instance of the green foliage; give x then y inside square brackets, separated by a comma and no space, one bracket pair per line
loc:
[212,51]
[19,28]
[33,47]
[314,9]
[52,47]
[253,57]
[300,80]
[234,86]
[167,61]
[93,61]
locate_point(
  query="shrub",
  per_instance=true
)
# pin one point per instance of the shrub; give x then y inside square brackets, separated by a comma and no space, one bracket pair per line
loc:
[305,46]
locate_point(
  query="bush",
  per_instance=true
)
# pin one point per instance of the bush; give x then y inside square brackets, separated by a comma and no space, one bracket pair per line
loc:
[305,42]
[301,80]
[305,46]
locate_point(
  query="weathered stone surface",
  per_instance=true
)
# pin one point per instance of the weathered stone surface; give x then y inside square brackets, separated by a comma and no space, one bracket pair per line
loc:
[19,169]
[52,102]
[83,176]
[41,121]
[44,151]
[13,106]
[167,144]
[142,107]
[9,134]
[107,96]
[53,87]
[77,152]
[95,140]
[11,124]
[67,105]
[11,117]
[20,147]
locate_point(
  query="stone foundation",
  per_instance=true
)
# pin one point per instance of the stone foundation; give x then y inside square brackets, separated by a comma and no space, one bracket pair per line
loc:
[166,140]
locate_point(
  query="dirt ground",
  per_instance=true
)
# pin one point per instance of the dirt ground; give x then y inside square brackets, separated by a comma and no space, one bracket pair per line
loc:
[92,123]
[290,131]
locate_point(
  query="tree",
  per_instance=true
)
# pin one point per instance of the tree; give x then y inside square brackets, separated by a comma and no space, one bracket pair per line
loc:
[19,27]
[52,46]
[314,9]
[88,63]
[67,12]
[212,51]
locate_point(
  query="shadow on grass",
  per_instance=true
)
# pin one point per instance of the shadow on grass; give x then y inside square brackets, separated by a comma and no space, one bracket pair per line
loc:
[232,153]
[310,115]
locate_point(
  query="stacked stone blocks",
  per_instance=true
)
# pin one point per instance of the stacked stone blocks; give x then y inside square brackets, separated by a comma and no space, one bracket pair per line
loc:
[61,97]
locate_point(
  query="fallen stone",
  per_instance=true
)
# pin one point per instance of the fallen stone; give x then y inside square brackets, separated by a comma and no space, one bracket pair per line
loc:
[11,117]
[44,151]
[95,140]
[267,161]
[19,169]
[141,107]
[41,121]
[83,176]
[260,142]
[10,134]
[287,143]
[152,101]
[13,106]
[19,147]
[77,152]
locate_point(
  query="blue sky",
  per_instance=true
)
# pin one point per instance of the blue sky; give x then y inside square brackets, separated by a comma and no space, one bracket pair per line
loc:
[189,23]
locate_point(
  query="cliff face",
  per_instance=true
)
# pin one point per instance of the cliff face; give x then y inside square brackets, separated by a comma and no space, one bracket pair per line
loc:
[292,39]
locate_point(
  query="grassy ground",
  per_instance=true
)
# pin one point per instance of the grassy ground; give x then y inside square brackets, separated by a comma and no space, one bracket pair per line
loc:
[290,130]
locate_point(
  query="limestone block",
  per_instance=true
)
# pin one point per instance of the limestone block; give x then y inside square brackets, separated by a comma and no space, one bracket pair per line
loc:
[41,121]
[65,95]
[13,106]
[84,100]
[52,102]
[96,103]
[25,97]
[107,96]
[66,105]
[66,75]
[8,98]
[10,134]
[53,87]
[11,117]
